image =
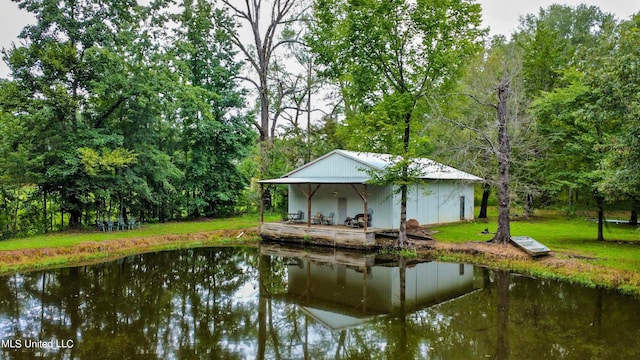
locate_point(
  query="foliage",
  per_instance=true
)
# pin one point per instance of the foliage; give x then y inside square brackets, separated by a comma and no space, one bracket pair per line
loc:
[617,87]
[107,120]
[390,59]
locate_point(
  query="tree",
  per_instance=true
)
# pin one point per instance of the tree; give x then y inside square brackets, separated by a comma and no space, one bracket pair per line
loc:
[58,72]
[391,57]
[503,234]
[262,52]
[574,126]
[616,90]
[491,128]
[556,41]
[216,133]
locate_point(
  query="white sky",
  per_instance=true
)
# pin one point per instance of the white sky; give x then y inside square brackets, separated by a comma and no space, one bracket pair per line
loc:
[501,16]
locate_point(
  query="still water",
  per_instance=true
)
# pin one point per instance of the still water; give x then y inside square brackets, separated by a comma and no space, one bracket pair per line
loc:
[287,303]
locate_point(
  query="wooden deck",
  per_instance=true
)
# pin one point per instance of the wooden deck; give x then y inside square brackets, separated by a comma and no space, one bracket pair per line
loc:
[324,235]
[324,254]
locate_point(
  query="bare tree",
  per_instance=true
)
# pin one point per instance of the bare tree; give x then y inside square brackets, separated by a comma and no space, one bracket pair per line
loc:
[486,139]
[261,51]
[503,234]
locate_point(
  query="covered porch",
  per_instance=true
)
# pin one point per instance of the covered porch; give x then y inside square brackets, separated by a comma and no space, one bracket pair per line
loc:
[312,227]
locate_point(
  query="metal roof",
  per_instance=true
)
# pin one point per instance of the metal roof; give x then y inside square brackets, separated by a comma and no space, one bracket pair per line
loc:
[316,180]
[428,169]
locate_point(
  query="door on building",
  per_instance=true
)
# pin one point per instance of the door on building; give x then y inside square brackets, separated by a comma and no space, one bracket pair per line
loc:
[342,210]
[462,217]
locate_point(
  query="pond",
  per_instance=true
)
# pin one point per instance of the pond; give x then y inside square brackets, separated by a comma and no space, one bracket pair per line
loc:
[289,303]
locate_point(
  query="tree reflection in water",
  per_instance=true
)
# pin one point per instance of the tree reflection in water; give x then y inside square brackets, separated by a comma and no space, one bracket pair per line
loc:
[282,303]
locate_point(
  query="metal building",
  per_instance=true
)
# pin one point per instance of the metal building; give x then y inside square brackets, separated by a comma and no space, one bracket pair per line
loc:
[339,183]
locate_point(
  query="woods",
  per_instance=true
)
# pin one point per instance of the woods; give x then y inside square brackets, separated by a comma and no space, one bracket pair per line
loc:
[157,112]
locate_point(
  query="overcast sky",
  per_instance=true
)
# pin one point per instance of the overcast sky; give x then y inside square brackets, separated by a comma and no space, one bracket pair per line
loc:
[501,16]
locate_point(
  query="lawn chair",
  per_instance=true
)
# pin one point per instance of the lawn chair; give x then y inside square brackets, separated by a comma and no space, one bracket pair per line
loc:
[121,224]
[100,225]
[109,225]
[296,217]
[317,219]
[132,223]
[353,221]
[328,220]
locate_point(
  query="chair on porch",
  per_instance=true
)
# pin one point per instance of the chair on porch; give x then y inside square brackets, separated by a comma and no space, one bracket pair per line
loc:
[353,221]
[296,217]
[369,216]
[328,220]
[317,219]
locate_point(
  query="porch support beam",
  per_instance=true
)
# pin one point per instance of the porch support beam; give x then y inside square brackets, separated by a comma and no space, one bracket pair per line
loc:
[261,203]
[309,194]
[363,196]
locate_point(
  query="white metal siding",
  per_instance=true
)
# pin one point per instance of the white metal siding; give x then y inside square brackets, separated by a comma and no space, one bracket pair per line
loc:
[335,165]
[449,198]
[435,202]
[325,201]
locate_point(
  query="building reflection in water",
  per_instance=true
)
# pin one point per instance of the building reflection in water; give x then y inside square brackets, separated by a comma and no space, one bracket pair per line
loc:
[342,289]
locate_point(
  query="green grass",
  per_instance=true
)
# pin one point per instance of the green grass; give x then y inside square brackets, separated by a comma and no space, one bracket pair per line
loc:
[68,238]
[620,250]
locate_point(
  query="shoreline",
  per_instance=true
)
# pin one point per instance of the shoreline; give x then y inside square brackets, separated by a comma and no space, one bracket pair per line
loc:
[557,266]
[91,252]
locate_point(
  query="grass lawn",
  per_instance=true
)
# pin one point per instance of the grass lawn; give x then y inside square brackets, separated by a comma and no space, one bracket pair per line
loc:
[89,246]
[70,238]
[621,250]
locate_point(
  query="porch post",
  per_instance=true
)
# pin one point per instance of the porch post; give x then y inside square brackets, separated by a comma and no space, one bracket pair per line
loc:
[309,195]
[363,196]
[366,208]
[261,203]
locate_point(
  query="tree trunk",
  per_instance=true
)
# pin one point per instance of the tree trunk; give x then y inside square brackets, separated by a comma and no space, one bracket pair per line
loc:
[74,218]
[528,205]
[600,203]
[44,210]
[635,204]
[504,154]
[402,231]
[486,191]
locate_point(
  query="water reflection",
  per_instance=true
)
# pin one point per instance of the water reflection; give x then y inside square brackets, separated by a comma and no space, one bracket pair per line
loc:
[343,290]
[294,304]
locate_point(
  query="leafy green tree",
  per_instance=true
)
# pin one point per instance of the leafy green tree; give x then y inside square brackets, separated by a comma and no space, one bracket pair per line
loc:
[56,72]
[577,133]
[216,133]
[616,87]
[556,40]
[390,58]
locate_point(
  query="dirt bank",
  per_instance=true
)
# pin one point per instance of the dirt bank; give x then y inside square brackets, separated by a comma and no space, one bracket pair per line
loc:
[557,265]
[92,251]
